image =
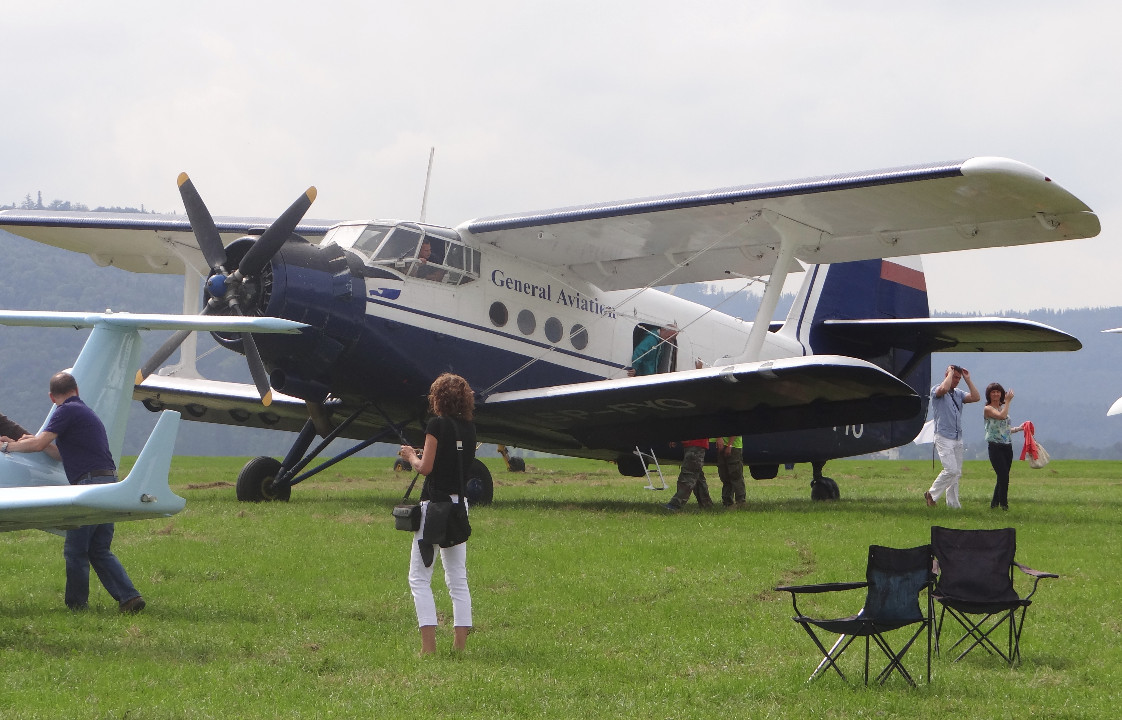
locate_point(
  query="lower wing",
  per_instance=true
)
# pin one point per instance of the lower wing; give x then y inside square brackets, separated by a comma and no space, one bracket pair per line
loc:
[777,395]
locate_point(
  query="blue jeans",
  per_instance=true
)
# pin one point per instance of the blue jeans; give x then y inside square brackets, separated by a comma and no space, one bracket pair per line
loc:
[89,545]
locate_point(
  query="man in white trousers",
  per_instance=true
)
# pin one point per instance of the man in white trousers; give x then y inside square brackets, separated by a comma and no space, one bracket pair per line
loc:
[947,400]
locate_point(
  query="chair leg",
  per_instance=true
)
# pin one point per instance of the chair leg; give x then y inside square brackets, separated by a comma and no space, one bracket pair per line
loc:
[980,634]
[895,659]
[829,657]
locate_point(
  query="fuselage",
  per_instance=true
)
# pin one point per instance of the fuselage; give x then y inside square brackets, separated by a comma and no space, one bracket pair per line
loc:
[384,324]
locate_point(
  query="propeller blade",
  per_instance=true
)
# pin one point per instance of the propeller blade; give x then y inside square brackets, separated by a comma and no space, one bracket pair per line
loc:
[257,369]
[164,351]
[202,224]
[272,239]
[161,355]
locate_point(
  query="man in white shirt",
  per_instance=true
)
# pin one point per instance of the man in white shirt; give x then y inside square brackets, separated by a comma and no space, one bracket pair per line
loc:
[946,402]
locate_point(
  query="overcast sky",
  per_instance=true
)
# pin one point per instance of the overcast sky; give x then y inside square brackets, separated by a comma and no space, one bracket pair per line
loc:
[534,105]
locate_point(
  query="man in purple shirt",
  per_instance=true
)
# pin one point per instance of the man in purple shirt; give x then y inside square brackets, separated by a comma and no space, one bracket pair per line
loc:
[77,436]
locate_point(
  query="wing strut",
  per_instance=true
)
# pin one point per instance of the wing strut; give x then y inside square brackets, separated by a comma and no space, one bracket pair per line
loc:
[792,235]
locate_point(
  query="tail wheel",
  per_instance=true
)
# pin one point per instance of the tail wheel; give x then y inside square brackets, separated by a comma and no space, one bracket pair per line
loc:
[480,488]
[255,481]
[517,464]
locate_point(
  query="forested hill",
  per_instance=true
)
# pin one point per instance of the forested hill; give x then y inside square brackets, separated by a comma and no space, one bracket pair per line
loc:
[1066,395]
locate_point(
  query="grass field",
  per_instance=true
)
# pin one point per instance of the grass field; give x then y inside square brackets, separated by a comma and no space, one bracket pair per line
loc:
[590,601]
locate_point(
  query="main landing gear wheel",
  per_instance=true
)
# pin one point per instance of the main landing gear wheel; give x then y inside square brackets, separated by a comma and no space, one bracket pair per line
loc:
[480,488]
[255,481]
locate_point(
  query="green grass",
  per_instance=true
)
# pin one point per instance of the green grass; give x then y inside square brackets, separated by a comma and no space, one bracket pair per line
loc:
[590,601]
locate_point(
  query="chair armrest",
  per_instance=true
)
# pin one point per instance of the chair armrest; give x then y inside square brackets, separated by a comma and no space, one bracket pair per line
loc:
[822,587]
[1035,573]
[1036,576]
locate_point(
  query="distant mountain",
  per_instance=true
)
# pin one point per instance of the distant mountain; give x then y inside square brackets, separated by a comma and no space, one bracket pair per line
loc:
[1066,395]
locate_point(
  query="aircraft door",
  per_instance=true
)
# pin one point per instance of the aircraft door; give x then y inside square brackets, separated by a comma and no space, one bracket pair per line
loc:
[654,349]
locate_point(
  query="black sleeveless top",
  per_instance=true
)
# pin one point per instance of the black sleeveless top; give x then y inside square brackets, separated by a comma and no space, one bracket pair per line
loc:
[444,480]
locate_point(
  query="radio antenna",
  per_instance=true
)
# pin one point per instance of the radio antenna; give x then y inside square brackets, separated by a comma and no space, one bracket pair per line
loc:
[428,177]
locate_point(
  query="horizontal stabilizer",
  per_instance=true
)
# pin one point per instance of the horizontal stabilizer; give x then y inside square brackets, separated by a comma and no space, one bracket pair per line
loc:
[869,338]
[124,320]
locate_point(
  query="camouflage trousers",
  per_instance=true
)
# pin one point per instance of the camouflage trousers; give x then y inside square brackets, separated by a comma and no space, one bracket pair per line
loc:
[691,479]
[730,468]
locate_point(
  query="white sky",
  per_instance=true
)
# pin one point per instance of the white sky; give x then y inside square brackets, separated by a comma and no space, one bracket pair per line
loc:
[534,105]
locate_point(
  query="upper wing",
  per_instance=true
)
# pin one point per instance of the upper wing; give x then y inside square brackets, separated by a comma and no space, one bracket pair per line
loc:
[136,242]
[928,335]
[699,236]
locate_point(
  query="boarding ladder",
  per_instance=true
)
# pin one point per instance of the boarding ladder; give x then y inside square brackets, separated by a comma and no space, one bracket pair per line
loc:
[647,457]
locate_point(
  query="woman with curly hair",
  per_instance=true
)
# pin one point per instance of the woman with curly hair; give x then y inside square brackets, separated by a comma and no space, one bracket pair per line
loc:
[998,429]
[452,403]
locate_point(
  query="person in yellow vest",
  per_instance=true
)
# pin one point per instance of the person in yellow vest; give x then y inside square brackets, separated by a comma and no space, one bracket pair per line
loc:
[730,468]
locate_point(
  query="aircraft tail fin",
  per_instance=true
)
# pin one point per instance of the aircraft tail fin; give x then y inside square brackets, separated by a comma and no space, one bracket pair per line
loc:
[145,492]
[872,290]
[864,290]
[105,382]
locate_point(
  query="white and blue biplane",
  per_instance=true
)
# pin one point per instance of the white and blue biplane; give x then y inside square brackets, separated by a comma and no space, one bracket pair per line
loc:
[541,311]
[34,492]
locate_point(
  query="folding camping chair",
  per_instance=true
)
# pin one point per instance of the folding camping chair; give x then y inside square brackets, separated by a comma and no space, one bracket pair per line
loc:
[975,569]
[895,579]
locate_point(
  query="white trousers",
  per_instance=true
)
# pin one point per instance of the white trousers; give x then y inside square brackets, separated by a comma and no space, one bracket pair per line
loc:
[454,560]
[950,455]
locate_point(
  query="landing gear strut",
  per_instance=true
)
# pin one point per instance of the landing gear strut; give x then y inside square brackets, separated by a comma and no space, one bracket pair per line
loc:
[265,478]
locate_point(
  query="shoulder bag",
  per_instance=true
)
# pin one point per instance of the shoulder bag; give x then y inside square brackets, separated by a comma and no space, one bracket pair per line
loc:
[407,515]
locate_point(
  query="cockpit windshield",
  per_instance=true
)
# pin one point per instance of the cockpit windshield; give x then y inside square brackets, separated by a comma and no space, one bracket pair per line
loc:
[410,250]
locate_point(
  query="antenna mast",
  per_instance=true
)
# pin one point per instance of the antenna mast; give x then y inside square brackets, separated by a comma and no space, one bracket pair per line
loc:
[428,177]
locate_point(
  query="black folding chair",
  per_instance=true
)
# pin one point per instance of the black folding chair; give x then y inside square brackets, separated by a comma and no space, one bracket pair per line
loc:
[895,580]
[975,569]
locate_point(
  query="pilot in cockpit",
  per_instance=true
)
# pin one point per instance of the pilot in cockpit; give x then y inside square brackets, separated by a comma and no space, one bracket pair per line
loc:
[430,254]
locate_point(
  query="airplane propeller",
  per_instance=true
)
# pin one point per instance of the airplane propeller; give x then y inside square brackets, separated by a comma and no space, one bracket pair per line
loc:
[227,289]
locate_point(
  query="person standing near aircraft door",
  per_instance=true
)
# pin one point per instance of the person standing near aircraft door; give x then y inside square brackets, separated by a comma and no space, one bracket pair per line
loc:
[452,403]
[730,468]
[648,351]
[998,430]
[76,434]
[947,401]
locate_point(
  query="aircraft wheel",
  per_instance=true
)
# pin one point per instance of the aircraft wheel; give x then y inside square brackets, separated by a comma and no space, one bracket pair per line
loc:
[517,464]
[400,464]
[480,487]
[255,480]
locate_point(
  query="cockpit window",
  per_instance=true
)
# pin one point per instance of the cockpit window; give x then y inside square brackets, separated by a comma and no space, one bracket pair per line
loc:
[402,245]
[411,250]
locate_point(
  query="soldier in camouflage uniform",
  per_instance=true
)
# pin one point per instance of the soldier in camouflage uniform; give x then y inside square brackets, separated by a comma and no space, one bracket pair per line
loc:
[691,479]
[730,468]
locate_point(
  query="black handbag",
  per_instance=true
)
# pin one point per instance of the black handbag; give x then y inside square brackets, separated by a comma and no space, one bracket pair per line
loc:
[407,515]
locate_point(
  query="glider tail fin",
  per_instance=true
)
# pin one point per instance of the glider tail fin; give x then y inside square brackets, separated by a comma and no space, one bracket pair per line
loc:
[147,482]
[105,370]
